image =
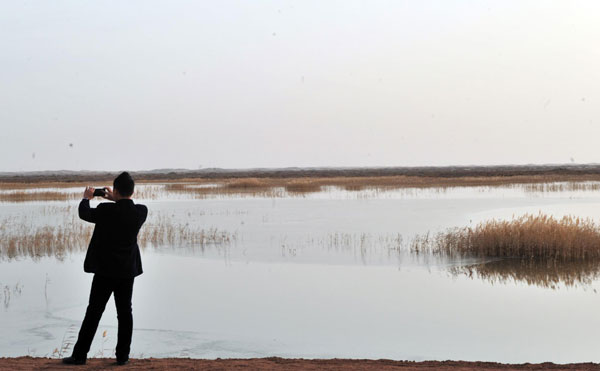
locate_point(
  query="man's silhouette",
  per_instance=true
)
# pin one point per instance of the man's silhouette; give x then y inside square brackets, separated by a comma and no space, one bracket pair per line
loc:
[114,257]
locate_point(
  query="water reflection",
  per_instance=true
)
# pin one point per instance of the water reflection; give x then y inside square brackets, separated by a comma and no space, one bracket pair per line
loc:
[9,292]
[546,274]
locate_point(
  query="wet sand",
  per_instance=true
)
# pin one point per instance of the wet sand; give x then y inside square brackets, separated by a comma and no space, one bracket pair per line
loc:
[274,363]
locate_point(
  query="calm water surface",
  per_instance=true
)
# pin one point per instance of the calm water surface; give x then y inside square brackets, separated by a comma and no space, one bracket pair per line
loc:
[326,275]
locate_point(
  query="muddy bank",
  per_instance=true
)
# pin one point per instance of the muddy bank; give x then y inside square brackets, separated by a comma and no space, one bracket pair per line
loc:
[29,363]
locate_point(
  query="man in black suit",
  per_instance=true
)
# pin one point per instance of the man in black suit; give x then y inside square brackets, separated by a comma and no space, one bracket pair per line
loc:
[114,257]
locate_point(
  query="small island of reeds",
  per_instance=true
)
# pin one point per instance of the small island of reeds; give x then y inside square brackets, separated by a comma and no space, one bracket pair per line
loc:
[537,249]
[528,237]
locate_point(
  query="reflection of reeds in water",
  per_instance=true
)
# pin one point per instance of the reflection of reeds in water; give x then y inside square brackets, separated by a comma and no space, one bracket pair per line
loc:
[545,274]
[526,237]
[561,187]
[8,292]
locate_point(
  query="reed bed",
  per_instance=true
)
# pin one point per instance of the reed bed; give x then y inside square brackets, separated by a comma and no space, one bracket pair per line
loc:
[163,232]
[282,187]
[245,183]
[26,196]
[21,238]
[312,184]
[45,241]
[529,237]
[299,186]
[302,186]
[30,195]
[37,185]
[546,274]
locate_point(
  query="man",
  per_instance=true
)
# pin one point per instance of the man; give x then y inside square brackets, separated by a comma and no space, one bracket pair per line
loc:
[114,257]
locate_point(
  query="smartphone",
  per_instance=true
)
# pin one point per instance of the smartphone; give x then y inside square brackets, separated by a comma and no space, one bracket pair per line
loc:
[99,192]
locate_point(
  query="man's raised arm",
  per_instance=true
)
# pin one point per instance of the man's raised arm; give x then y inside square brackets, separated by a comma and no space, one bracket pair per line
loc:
[85,211]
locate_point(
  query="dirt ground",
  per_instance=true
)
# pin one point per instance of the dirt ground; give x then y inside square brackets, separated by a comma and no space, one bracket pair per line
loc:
[29,363]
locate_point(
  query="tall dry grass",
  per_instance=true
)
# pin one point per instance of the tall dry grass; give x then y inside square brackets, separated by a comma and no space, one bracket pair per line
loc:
[529,237]
[22,238]
[281,187]
[299,186]
[25,196]
[45,241]
[31,194]
[163,232]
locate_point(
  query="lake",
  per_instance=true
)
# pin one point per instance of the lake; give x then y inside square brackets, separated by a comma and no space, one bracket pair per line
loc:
[320,275]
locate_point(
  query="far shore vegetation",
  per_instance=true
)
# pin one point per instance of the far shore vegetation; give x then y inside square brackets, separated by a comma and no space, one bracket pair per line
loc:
[298,186]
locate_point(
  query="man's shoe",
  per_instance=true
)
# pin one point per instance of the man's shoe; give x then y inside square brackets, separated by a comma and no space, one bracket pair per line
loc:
[122,362]
[73,361]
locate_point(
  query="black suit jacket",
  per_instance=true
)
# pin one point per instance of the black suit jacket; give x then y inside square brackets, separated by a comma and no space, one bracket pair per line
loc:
[113,249]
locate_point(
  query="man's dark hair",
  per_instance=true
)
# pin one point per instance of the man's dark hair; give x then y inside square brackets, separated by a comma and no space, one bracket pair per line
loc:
[124,184]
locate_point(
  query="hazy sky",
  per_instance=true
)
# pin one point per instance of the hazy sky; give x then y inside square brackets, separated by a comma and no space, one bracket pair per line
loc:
[153,84]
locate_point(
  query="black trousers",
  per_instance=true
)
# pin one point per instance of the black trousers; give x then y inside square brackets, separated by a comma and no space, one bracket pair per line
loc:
[102,287]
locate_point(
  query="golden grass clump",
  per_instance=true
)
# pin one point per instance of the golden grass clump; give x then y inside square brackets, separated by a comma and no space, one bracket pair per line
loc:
[246,183]
[25,196]
[527,237]
[175,187]
[46,241]
[302,186]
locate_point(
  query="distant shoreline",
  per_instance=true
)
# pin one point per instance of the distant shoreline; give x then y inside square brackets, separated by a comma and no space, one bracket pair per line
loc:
[561,171]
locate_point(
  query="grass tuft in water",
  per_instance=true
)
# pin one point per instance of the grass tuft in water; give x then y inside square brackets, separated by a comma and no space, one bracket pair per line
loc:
[529,237]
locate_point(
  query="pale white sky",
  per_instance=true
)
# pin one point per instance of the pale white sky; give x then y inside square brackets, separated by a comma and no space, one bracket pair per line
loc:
[236,84]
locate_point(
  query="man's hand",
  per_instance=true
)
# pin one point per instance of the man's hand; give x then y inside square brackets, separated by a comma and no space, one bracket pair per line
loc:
[88,194]
[108,194]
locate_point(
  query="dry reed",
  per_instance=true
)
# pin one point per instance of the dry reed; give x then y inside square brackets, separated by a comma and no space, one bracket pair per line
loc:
[24,196]
[529,237]
[281,187]
[164,233]
[45,241]
[30,194]
[245,183]
[20,238]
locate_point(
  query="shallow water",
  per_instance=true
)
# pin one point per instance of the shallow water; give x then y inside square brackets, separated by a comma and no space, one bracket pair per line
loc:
[326,275]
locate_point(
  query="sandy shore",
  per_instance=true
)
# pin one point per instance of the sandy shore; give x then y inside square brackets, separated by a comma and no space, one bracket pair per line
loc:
[29,363]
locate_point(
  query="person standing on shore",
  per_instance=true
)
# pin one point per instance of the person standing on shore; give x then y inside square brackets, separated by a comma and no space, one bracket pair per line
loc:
[114,257]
